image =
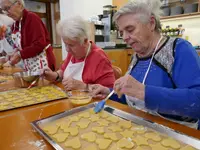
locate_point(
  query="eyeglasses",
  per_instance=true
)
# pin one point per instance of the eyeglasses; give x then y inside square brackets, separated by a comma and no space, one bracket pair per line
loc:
[7,8]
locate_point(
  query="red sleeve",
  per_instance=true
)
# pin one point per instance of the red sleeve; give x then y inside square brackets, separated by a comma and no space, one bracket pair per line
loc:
[104,74]
[33,32]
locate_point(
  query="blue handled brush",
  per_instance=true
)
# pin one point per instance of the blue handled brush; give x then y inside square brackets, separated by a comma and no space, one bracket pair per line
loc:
[100,105]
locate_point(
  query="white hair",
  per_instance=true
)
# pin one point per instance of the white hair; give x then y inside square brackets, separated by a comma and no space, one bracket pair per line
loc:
[74,28]
[12,1]
[144,9]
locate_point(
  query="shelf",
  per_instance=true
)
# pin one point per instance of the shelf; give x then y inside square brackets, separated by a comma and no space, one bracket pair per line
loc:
[181,16]
[99,26]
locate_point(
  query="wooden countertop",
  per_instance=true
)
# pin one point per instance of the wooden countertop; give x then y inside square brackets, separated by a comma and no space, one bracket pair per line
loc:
[16,132]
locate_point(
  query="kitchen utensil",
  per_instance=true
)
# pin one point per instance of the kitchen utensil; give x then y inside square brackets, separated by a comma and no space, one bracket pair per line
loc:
[100,105]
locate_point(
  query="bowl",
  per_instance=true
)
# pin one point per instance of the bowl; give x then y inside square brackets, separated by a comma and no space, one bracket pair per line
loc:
[79,97]
[24,79]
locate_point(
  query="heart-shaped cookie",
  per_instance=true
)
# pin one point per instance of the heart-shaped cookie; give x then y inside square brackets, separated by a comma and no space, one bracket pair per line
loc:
[125,124]
[60,137]
[171,143]
[115,128]
[90,137]
[103,143]
[139,140]
[94,118]
[114,147]
[125,143]
[63,124]
[91,147]
[72,130]
[99,130]
[153,136]
[51,129]
[83,124]
[111,136]
[103,122]
[73,143]
[113,119]
[84,115]
[127,133]
[139,129]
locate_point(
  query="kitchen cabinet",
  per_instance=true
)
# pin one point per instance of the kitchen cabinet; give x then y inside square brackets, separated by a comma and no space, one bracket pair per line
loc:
[119,3]
[58,54]
[120,58]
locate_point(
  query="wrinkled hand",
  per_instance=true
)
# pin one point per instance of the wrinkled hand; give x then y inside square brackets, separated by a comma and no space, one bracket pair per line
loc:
[72,84]
[49,74]
[98,91]
[129,86]
[15,58]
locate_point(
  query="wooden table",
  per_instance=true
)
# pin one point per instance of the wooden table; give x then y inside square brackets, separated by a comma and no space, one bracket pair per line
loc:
[16,132]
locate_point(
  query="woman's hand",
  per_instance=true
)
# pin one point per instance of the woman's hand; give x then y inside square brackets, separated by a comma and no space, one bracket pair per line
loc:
[15,58]
[98,91]
[72,84]
[129,86]
[49,74]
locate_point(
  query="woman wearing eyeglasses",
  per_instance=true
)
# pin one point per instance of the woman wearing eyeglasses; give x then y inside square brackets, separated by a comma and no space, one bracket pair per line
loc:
[29,37]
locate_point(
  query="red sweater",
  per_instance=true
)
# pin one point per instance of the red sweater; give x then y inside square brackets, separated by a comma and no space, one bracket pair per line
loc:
[34,38]
[97,69]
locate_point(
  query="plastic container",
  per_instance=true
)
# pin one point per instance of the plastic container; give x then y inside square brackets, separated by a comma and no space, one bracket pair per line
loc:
[79,97]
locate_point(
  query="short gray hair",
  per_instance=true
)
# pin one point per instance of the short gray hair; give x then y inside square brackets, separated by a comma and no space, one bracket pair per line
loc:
[12,1]
[74,28]
[144,9]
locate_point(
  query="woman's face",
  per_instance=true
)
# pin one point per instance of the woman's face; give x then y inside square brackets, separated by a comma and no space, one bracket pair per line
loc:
[75,48]
[12,10]
[135,33]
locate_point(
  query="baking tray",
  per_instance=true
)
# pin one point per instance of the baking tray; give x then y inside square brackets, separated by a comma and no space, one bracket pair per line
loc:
[27,101]
[124,115]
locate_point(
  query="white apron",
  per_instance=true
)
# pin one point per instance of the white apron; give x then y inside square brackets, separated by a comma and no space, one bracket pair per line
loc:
[76,70]
[140,104]
[30,64]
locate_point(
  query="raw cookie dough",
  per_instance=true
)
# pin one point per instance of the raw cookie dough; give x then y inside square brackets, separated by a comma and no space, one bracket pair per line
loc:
[84,115]
[115,128]
[125,124]
[94,118]
[83,124]
[171,143]
[139,129]
[103,143]
[153,136]
[113,119]
[102,122]
[74,118]
[188,148]
[125,143]
[72,130]
[111,136]
[158,146]
[51,129]
[73,143]
[103,114]
[60,137]
[139,140]
[99,130]
[114,147]
[127,133]
[90,136]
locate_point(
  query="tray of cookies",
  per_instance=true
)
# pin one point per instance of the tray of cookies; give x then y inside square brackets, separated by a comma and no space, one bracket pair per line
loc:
[111,129]
[24,97]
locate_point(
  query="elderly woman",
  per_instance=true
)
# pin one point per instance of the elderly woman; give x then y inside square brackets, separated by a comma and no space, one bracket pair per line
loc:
[164,75]
[85,63]
[28,37]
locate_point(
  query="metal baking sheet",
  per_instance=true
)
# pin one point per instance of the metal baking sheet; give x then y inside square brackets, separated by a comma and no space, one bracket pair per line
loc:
[34,98]
[140,121]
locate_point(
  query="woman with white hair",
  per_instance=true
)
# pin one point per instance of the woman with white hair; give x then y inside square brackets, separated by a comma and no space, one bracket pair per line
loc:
[29,37]
[85,63]
[164,75]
